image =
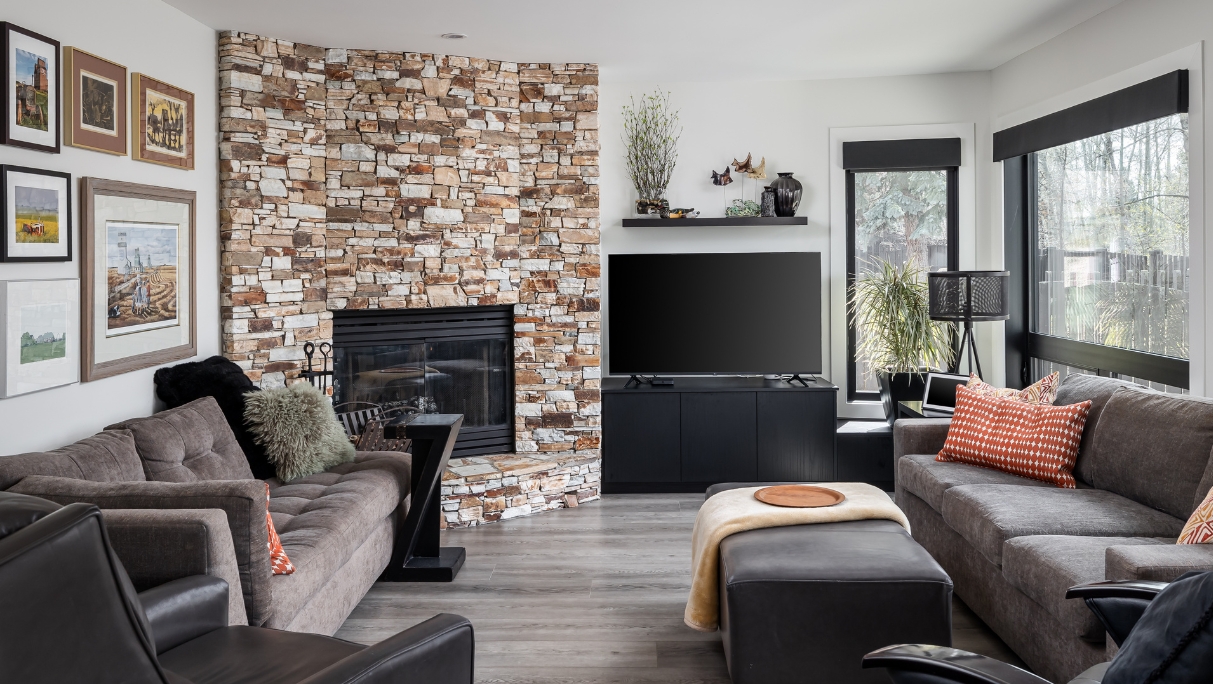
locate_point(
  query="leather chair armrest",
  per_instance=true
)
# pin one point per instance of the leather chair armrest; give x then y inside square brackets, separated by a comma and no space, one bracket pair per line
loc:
[919,436]
[943,664]
[1116,589]
[158,546]
[185,609]
[1118,604]
[437,651]
[242,501]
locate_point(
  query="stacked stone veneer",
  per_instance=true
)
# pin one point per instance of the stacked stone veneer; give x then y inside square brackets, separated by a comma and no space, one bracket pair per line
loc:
[355,179]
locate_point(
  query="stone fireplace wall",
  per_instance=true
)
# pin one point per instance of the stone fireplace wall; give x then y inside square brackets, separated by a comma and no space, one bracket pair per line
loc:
[355,179]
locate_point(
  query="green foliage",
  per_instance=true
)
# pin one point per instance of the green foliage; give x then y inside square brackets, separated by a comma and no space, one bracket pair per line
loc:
[894,329]
[650,132]
[26,339]
[902,206]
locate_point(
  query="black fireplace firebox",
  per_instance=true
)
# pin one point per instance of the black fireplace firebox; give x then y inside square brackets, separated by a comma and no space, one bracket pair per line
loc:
[448,360]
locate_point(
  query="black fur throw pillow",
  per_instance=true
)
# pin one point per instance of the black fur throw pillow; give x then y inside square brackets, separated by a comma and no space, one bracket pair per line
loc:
[222,379]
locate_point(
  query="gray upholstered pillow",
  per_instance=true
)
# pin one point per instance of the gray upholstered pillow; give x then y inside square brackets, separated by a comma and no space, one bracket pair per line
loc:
[298,429]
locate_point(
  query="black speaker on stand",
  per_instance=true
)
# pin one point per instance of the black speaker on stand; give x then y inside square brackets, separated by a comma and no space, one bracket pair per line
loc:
[969,296]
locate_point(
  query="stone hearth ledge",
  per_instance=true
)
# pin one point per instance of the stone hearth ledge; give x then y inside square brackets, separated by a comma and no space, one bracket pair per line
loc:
[483,489]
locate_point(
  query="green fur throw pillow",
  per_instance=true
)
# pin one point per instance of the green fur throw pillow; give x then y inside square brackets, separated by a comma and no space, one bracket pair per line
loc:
[298,429]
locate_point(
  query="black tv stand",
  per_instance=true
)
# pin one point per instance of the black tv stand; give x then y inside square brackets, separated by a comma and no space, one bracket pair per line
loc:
[796,378]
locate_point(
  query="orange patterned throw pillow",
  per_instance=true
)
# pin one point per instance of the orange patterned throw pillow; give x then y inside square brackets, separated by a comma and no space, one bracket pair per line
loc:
[1029,440]
[1199,529]
[1043,391]
[278,560]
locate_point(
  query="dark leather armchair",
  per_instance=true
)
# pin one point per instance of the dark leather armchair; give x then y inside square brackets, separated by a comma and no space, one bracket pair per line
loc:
[1120,606]
[70,614]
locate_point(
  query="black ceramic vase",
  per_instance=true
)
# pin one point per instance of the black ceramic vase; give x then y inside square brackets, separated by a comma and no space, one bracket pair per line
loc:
[897,387]
[788,191]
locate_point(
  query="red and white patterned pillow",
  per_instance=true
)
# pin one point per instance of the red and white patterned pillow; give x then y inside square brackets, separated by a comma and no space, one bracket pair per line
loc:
[1199,529]
[1029,440]
[1043,391]
[278,560]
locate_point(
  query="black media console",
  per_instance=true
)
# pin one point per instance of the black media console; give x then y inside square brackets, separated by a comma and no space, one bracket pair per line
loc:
[700,431]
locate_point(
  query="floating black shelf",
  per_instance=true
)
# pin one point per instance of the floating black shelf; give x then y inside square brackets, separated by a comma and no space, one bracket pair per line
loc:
[720,221]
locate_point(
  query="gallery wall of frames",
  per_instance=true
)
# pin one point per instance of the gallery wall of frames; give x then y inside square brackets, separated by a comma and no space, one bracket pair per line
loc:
[134,303]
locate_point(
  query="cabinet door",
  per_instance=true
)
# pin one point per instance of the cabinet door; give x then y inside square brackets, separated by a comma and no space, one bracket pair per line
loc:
[796,436]
[718,437]
[640,437]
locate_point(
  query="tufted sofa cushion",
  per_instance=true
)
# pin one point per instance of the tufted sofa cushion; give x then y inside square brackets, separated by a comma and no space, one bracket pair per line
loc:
[108,456]
[187,444]
[323,519]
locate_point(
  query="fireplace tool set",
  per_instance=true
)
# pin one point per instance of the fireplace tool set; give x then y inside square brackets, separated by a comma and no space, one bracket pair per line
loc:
[319,378]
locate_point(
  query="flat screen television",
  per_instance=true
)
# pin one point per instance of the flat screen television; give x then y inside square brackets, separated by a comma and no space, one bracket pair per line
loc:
[698,314]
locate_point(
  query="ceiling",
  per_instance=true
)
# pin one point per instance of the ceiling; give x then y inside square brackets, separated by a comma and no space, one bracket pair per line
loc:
[699,40]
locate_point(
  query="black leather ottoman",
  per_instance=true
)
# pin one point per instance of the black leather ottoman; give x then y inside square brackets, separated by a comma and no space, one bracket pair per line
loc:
[803,604]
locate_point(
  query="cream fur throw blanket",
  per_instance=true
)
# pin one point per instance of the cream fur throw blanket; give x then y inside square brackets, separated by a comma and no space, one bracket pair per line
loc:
[736,510]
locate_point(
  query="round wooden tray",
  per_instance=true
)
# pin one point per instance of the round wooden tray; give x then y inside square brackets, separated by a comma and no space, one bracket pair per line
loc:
[799,496]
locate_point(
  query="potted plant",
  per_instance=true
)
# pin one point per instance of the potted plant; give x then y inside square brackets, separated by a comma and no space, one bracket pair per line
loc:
[650,133]
[895,336]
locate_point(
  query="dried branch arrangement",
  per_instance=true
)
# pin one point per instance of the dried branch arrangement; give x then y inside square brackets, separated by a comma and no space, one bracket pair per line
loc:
[650,132]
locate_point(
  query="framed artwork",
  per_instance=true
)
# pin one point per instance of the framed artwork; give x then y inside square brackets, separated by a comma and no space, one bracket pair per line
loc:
[162,123]
[36,214]
[137,269]
[30,96]
[95,101]
[41,342]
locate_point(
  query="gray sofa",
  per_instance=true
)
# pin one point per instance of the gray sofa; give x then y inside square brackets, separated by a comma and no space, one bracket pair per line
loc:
[1013,546]
[179,499]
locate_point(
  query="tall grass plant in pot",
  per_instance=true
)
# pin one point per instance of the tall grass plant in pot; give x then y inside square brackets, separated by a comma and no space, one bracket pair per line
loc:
[650,134]
[895,336]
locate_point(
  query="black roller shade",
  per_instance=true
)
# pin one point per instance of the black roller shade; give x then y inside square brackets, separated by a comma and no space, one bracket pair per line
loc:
[1152,99]
[924,153]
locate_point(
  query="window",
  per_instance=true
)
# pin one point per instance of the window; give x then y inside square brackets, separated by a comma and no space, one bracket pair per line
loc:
[901,207]
[1104,240]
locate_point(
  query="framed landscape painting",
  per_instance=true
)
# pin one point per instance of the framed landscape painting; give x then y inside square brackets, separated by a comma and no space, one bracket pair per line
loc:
[95,101]
[41,342]
[36,214]
[31,91]
[162,123]
[137,267]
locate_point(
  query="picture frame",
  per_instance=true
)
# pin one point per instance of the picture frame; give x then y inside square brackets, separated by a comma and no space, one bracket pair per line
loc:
[40,344]
[138,277]
[162,123]
[95,100]
[36,214]
[31,96]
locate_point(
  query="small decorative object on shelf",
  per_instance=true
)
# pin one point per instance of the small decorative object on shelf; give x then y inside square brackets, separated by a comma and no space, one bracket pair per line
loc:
[742,207]
[768,201]
[758,172]
[723,178]
[651,132]
[788,192]
[745,166]
[682,213]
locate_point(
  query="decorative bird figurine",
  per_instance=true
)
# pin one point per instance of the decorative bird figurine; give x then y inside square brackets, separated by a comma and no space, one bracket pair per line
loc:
[760,171]
[722,178]
[745,166]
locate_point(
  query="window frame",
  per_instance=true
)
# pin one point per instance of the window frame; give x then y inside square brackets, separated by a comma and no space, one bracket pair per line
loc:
[953,237]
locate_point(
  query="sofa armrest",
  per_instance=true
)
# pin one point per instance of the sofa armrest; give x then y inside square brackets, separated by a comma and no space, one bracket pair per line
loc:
[943,664]
[242,501]
[440,650]
[158,546]
[1156,562]
[919,436]
[185,609]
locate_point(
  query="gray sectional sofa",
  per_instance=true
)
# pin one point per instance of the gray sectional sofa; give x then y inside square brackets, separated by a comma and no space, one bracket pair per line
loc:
[1013,546]
[178,499]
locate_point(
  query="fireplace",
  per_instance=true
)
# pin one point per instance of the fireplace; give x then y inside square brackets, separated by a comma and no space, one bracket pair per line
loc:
[442,360]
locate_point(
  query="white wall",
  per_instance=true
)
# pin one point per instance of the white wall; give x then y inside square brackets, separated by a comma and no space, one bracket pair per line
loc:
[1129,43]
[789,123]
[150,37]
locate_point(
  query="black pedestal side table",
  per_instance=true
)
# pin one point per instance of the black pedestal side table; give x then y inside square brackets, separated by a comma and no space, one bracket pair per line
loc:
[416,554]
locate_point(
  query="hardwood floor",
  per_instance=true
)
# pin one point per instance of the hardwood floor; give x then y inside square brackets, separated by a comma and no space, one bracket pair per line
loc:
[592,594]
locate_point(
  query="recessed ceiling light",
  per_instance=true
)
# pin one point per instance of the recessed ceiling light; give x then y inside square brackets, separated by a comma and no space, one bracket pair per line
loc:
[454,36]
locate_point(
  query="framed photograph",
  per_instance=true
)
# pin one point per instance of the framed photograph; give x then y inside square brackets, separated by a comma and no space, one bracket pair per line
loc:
[162,123]
[37,214]
[95,102]
[137,269]
[41,342]
[31,93]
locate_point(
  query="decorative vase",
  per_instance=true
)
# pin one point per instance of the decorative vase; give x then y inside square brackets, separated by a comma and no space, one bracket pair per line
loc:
[895,387]
[651,207]
[768,202]
[788,191]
